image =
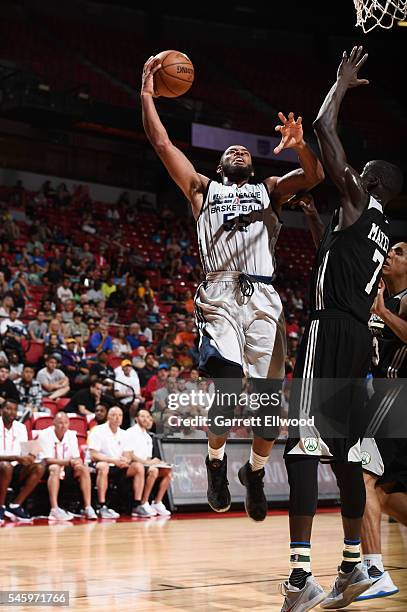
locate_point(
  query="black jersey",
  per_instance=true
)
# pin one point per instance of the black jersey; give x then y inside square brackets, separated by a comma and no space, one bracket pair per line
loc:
[348,263]
[389,351]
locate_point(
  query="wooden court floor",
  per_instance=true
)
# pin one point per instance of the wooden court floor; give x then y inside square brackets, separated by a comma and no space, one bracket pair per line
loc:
[178,565]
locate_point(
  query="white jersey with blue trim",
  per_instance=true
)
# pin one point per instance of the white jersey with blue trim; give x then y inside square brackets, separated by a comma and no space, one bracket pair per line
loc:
[238,229]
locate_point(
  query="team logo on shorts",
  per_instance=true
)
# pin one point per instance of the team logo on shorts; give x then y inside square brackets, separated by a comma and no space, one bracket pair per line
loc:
[366,458]
[311,444]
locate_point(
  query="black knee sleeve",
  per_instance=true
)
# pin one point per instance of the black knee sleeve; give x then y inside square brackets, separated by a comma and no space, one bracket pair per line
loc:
[303,480]
[227,380]
[349,477]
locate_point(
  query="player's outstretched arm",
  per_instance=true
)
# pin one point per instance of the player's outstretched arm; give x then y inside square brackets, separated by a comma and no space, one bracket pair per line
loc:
[311,172]
[306,202]
[191,183]
[353,196]
[397,323]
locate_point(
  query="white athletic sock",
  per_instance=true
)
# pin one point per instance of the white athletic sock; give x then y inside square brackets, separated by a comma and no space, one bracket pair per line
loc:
[216,453]
[376,560]
[257,462]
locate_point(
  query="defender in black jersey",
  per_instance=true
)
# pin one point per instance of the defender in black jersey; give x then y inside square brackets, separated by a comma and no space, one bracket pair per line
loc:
[336,345]
[385,458]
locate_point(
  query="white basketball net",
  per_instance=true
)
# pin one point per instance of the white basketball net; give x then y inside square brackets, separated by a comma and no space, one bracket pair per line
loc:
[383,13]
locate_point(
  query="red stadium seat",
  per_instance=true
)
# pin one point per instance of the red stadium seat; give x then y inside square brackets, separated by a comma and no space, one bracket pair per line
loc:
[62,402]
[34,353]
[43,421]
[79,424]
[51,405]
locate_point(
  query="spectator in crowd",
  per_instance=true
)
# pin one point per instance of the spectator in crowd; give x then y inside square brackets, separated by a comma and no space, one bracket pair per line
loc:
[53,381]
[192,383]
[30,392]
[95,293]
[53,275]
[78,325]
[38,328]
[8,389]
[6,306]
[291,324]
[18,297]
[101,411]
[16,367]
[174,371]
[108,287]
[17,469]
[4,268]
[145,290]
[121,346]
[156,382]
[64,291]
[85,401]
[134,337]
[68,308]
[140,446]
[74,364]
[107,447]
[127,388]
[186,334]
[86,253]
[54,347]
[60,451]
[12,322]
[167,356]
[168,295]
[101,368]
[149,370]
[100,340]
[54,327]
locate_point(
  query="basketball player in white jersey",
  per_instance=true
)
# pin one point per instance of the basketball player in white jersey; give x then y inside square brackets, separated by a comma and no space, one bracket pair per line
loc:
[239,313]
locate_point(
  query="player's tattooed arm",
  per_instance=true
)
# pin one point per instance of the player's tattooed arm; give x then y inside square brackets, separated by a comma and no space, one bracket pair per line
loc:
[353,196]
[181,170]
[397,323]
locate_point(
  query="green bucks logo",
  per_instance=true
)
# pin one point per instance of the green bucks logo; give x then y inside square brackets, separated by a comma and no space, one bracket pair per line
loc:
[311,444]
[366,458]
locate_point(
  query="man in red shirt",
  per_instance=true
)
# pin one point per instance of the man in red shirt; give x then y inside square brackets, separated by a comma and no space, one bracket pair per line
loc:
[156,382]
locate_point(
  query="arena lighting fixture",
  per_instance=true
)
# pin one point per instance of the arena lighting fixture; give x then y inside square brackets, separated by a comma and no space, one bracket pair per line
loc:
[83,95]
[402,24]
[43,87]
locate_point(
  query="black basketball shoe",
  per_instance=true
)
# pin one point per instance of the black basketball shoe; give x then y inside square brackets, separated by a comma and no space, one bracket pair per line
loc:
[255,502]
[218,493]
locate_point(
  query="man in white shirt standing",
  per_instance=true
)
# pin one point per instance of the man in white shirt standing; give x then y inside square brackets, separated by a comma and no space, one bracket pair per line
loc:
[60,451]
[140,446]
[107,447]
[15,468]
[127,387]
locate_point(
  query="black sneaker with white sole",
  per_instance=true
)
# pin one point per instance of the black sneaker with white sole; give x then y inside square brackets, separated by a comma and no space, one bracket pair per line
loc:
[18,514]
[255,502]
[218,492]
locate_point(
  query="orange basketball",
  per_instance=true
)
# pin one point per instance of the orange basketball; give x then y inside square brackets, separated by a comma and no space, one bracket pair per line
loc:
[175,76]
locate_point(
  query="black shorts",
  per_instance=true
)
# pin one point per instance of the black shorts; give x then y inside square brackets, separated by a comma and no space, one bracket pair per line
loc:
[18,476]
[394,456]
[329,384]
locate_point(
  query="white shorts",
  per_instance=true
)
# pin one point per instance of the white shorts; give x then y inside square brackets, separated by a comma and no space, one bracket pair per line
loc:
[371,458]
[248,331]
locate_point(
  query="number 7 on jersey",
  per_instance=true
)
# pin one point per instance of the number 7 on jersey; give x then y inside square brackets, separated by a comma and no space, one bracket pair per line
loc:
[377,256]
